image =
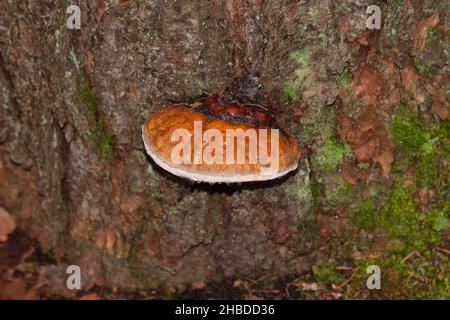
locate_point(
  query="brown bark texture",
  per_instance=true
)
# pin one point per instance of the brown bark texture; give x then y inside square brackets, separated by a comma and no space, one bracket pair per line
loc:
[73,169]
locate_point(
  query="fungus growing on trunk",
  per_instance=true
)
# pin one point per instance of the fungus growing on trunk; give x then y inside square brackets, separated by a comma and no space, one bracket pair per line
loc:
[216,143]
[213,142]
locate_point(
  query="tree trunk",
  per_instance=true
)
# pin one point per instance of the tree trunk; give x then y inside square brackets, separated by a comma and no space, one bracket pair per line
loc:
[73,169]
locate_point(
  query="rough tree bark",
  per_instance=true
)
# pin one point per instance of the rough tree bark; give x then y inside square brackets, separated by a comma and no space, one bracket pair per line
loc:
[73,170]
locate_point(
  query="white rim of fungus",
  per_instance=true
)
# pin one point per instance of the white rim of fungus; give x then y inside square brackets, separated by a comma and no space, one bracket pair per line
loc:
[212,178]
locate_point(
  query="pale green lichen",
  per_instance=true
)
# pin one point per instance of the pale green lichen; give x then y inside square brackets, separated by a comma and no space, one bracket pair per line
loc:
[316,126]
[331,154]
[153,183]
[422,67]
[299,187]
[313,13]
[73,57]
[57,42]
[291,89]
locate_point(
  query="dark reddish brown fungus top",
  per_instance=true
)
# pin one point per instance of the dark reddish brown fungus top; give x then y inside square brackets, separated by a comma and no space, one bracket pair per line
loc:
[236,113]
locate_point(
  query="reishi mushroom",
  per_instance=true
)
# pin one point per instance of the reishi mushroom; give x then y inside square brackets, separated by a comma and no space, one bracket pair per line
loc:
[215,143]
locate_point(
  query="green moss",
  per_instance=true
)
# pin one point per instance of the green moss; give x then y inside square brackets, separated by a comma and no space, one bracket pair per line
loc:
[362,165]
[99,134]
[393,275]
[102,138]
[414,276]
[88,98]
[399,218]
[409,132]
[364,215]
[424,145]
[290,92]
[331,154]
[325,272]
[412,265]
[430,278]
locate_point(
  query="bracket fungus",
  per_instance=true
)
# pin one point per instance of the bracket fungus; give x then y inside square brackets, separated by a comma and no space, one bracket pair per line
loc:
[212,142]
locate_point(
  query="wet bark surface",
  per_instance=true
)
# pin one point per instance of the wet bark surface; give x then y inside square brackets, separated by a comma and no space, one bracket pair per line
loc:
[74,172]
